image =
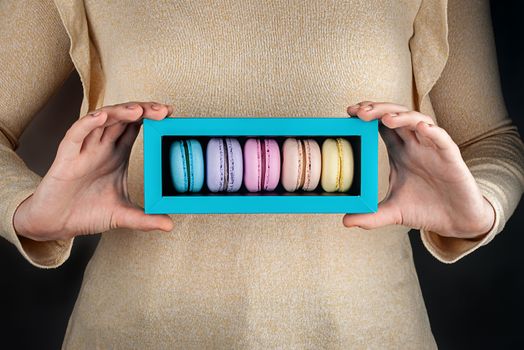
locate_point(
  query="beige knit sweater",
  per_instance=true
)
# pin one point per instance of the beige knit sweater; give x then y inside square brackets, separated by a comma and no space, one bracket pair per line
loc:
[257,281]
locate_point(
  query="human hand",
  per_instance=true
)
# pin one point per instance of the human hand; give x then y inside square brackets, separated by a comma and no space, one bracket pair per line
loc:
[85,189]
[430,186]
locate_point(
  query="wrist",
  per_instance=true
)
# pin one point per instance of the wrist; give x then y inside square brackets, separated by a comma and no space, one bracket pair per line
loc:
[489,214]
[21,222]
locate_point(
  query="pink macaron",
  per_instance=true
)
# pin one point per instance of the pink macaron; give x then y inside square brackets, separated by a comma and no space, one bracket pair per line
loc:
[261,164]
[301,164]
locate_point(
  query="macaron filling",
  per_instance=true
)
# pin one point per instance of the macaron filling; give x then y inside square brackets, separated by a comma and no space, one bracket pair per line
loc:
[301,178]
[225,152]
[339,180]
[188,172]
[262,157]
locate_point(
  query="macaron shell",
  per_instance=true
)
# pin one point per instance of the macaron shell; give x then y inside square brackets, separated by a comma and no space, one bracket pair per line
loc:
[347,168]
[236,165]
[251,165]
[214,164]
[178,164]
[290,164]
[330,165]
[272,165]
[196,169]
[313,165]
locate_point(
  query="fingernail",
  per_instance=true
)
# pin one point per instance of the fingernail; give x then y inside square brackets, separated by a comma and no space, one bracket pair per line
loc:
[428,124]
[393,114]
[367,108]
[95,114]
[133,106]
[155,107]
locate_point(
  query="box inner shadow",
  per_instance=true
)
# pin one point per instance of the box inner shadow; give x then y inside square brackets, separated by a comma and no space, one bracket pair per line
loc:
[168,188]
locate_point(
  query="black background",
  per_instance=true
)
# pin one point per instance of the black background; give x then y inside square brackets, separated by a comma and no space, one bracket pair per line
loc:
[474,303]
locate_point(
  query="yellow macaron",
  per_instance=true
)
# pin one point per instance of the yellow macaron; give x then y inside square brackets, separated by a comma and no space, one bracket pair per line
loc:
[337,165]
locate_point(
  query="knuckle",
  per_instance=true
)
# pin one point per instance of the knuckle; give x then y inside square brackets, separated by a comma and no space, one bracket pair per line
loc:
[366,226]
[130,115]
[143,107]
[61,146]
[129,111]
[162,109]
[389,119]
[420,123]
[397,219]
[158,107]
[132,105]
[151,104]
[140,109]
[69,134]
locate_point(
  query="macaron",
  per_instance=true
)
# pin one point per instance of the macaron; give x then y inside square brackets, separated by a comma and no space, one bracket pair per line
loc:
[337,165]
[224,164]
[261,164]
[187,165]
[301,164]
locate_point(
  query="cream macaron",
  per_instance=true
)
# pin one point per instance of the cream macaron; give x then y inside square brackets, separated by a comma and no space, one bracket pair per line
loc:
[337,165]
[301,164]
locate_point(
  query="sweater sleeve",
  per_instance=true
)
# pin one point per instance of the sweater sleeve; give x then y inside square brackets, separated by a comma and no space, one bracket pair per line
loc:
[469,105]
[35,61]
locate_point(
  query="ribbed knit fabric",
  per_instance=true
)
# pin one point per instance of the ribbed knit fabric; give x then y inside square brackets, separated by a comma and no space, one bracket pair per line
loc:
[257,281]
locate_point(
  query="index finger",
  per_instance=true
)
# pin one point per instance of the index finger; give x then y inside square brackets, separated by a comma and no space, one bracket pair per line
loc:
[368,110]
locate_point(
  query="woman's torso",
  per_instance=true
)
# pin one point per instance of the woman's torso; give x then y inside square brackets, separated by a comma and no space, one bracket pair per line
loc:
[252,281]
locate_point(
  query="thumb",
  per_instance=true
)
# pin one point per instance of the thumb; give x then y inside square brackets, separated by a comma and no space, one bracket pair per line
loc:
[135,218]
[386,214]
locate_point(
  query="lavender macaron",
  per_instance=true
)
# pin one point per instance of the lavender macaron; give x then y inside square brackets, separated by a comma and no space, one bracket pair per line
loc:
[224,162]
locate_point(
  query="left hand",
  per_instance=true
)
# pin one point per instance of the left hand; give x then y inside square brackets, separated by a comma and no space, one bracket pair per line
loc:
[430,185]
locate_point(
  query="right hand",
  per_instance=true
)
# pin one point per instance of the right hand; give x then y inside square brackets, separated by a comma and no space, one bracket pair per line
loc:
[85,190]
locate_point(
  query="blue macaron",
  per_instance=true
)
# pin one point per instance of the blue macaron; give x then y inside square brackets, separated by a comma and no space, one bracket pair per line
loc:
[187,165]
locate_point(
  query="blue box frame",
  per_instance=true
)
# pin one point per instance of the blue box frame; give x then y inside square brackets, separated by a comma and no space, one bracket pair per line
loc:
[156,203]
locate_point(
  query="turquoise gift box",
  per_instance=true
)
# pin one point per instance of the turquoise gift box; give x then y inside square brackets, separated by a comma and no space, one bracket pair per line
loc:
[160,197]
